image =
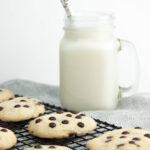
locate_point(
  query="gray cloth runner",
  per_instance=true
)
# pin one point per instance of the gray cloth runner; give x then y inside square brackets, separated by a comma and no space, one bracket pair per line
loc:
[131,112]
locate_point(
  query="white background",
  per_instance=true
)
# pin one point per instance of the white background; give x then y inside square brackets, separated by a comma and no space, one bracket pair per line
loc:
[30,31]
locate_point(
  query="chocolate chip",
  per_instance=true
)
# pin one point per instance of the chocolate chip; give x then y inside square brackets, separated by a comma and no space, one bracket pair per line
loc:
[80,124]
[51,147]
[38,120]
[1,108]
[136,139]
[137,128]
[65,122]
[26,106]
[125,132]
[131,142]
[122,137]
[109,137]
[39,103]
[72,134]
[41,114]
[120,145]
[17,106]
[11,99]
[74,112]
[52,125]
[22,100]
[82,114]
[52,118]
[59,112]
[78,117]
[38,146]
[1,90]
[68,115]
[147,135]
[108,141]
[4,130]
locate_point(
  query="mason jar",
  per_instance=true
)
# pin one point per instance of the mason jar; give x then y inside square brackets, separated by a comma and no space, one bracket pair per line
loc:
[89,63]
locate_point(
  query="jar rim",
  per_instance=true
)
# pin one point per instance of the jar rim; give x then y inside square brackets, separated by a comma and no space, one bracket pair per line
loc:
[92,15]
[105,19]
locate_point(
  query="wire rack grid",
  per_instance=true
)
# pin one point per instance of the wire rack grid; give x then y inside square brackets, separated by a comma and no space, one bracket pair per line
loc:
[25,139]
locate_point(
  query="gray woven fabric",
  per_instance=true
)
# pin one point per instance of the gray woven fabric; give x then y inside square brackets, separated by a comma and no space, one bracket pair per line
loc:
[131,112]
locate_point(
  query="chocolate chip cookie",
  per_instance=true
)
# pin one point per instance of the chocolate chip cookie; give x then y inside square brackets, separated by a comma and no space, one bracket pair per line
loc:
[7,138]
[21,108]
[121,139]
[48,147]
[6,95]
[61,125]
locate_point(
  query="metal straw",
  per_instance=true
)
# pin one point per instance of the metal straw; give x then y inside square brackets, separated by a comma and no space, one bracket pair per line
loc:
[66,8]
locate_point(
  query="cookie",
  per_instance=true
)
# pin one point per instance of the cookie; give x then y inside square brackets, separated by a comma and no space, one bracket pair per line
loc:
[48,147]
[21,108]
[7,138]
[121,139]
[61,125]
[6,95]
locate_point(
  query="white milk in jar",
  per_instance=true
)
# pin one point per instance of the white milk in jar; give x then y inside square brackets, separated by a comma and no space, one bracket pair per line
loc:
[88,64]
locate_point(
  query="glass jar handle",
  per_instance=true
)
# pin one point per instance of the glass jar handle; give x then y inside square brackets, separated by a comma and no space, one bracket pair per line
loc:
[128,69]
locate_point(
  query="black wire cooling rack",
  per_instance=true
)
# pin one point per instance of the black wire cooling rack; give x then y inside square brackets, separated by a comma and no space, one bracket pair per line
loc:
[25,139]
